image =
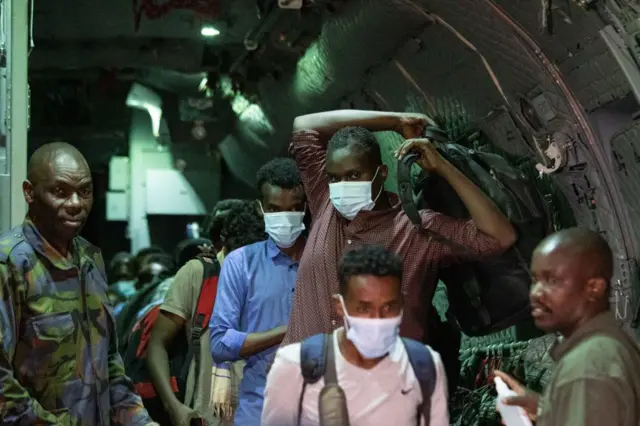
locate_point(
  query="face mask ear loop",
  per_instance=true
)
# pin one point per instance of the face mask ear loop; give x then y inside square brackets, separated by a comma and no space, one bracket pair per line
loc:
[381,186]
[345,317]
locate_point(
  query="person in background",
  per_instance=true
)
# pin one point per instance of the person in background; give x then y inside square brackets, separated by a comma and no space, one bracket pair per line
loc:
[371,361]
[152,282]
[153,266]
[341,167]
[215,223]
[151,270]
[241,224]
[141,258]
[186,251]
[120,267]
[121,274]
[121,278]
[256,286]
[595,381]
[59,363]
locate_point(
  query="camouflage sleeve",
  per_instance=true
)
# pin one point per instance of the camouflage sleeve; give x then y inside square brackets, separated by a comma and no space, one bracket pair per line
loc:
[126,405]
[16,405]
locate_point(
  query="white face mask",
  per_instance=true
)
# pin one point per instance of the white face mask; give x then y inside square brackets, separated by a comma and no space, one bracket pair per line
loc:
[284,228]
[349,198]
[373,337]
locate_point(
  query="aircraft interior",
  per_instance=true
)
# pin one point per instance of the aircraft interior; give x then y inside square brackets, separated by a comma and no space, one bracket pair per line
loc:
[177,103]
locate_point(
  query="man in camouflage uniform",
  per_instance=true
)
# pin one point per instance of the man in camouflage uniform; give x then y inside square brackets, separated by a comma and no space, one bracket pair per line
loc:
[59,362]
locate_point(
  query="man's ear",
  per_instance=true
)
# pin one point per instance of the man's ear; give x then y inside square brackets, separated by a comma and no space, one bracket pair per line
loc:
[596,289]
[27,190]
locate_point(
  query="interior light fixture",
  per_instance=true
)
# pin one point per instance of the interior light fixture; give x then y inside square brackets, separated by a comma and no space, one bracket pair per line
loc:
[209,31]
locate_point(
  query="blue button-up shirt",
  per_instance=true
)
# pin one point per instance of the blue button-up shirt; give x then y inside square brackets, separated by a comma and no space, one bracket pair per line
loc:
[255,294]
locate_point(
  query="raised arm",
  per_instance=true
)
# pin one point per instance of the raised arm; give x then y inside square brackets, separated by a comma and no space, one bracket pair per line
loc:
[486,216]
[17,406]
[329,122]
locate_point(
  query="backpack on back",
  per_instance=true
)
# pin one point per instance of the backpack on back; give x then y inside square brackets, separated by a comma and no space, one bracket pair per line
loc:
[317,360]
[183,351]
[127,315]
[485,295]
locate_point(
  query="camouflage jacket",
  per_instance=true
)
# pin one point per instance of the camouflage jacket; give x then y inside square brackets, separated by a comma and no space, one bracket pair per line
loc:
[59,362]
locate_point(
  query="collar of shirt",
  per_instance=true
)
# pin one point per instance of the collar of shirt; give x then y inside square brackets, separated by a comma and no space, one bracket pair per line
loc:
[277,255]
[44,248]
[601,322]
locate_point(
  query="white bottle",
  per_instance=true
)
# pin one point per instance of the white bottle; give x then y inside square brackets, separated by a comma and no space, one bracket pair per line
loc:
[511,415]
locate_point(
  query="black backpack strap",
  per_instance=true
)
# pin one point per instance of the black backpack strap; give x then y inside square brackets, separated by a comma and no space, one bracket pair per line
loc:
[425,370]
[201,317]
[405,191]
[313,359]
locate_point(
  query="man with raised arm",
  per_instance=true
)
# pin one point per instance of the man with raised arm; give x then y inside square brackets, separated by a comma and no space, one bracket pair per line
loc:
[342,171]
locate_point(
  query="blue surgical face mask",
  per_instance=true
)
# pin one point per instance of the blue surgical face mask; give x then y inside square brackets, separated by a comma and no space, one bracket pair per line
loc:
[372,337]
[349,198]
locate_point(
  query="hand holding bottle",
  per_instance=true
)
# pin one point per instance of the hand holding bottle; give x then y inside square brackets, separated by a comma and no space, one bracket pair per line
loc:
[519,395]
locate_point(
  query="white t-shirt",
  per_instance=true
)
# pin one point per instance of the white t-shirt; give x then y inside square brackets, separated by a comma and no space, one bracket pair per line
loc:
[388,394]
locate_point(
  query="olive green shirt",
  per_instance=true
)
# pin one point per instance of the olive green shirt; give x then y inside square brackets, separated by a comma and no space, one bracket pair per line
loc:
[596,381]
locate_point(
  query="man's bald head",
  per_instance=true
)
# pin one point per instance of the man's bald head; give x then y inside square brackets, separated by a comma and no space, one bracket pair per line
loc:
[592,252]
[45,158]
[59,192]
[572,271]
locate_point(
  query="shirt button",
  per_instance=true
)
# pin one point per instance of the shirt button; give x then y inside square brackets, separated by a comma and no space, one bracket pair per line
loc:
[348,241]
[333,322]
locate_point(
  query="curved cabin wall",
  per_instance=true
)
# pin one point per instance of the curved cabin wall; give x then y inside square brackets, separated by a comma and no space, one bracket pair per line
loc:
[468,59]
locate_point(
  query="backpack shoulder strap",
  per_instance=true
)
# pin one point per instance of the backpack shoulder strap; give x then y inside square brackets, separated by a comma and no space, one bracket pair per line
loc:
[425,370]
[206,297]
[201,316]
[313,360]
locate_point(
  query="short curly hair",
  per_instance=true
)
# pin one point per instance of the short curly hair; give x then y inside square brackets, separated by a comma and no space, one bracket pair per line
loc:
[361,140]
[242,225]
[213,223]
[281,172]
[368,260]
